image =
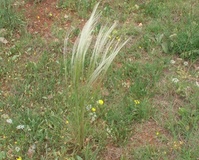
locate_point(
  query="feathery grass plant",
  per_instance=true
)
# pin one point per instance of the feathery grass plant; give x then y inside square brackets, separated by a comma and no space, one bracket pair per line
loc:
[89,64]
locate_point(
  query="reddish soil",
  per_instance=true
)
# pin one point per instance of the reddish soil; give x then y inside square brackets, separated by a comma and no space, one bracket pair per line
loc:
[42,15]
[150,133]
[113,153]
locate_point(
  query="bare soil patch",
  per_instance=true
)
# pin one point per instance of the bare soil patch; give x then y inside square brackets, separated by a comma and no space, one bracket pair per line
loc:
[150,133]
[42,15]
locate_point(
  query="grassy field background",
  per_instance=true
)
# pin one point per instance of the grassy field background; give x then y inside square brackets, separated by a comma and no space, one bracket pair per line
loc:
[146,107]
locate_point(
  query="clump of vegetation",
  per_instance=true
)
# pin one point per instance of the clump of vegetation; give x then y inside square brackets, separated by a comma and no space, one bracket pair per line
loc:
[82,7]
[9,16]
[88,66]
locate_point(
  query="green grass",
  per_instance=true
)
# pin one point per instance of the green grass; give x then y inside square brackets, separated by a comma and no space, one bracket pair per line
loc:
[82,7]
[154,78]
[8,17]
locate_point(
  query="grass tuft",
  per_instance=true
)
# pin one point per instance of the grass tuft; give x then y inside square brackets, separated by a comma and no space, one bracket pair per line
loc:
[89,64]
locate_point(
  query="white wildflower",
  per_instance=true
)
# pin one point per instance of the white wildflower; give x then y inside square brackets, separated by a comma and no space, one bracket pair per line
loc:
[20,126]
[9,121]
[93,116]
[175,80]
[88,107]
[108,130]
[197,84]
[172,61]
[17,149]
[186,63]
[124,84]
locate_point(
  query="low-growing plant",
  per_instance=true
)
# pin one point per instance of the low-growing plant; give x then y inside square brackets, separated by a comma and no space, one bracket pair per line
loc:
[152,8]
[81,6]
[92,54]
[9,18]
[184,43]
[181,34]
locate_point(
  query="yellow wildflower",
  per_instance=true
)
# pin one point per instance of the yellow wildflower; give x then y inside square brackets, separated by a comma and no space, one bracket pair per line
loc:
[50,14]
[181,142]
[93,109]
[157,133]
[136,101]
[19,158]
[118,38]
[101,102]
[175,146]
[67,121]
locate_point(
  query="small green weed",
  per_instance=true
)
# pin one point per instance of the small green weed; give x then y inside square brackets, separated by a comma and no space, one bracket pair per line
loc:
[182,38]
[152,8]
[9,18]
[81,6]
